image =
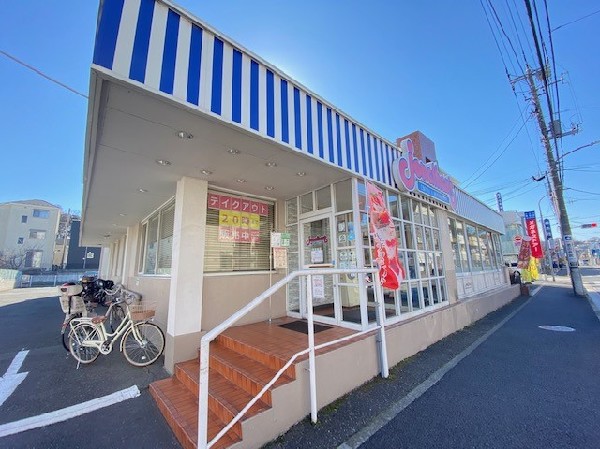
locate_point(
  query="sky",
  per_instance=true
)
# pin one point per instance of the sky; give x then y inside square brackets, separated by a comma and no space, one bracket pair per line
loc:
[437,66]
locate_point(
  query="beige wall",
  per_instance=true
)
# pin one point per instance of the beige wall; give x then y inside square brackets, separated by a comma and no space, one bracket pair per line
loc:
[223,295]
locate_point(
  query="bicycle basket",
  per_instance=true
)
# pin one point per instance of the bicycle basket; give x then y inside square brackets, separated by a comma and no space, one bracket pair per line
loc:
[142,310]
[77,304]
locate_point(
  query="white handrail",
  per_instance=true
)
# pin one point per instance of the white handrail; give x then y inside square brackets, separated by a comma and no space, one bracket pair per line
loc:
[213,333]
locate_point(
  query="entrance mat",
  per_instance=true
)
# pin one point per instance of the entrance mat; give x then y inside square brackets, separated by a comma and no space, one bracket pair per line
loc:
[302,326]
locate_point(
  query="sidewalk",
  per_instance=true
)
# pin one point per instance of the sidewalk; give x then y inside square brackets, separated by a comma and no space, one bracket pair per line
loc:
[23,294]
[495,384]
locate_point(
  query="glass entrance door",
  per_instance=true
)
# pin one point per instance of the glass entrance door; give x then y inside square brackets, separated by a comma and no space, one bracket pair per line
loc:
[316,242]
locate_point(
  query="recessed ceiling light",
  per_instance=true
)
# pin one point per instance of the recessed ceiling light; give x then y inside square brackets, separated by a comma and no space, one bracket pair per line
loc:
[271,164]
[269,188]
[184,135]
[106,236]
[163,162]
[233,151]
[142,190]
[301,173]
[240,180]
[122,215]
[206,172]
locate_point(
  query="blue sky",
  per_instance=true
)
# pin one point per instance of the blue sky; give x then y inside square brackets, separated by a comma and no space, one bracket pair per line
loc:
[394,66]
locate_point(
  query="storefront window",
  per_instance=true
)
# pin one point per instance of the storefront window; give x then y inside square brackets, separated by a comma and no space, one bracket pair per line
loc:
[474,247]
[156,242]
[306,203]
[238,231]
[343,195]
[324,198]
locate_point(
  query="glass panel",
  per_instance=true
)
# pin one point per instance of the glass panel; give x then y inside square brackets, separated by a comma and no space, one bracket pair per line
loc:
[412,268]
[317,250]
[403,261]
[462,246]
[485,249]
[435,291]
[416,296]
[439,264]
[436,240]
[389,301]
[423,271]
[293,289]
[364,230]
[474,247]
[349,297]
[393,200]
[420,238]
[291,211]
[406,215]
[408,236]
[306,203]
[151,246]
[165,244]
[404,298]
[362,196]
[428,240]
[343,195]
[428,300]
[432,217]
[324,198]
[425,214]
[417,212]
[347,259]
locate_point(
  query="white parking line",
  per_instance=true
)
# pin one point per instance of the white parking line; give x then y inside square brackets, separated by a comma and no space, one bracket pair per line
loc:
[46,419]
[12,378]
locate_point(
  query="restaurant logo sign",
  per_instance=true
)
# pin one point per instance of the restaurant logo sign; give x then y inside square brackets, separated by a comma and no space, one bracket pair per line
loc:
[413,174]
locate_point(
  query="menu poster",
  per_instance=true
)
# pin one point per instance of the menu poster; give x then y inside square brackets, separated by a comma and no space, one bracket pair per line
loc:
[239,218]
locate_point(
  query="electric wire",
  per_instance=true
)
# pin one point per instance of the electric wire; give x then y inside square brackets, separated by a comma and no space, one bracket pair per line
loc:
[501,27]
[42,74]
[575,21]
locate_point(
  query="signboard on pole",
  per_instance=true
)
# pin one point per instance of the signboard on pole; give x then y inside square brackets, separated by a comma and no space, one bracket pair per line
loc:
[532,231]
[570,249]
[548,233]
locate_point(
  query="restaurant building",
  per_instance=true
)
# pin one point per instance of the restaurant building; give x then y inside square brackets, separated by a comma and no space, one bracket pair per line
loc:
[210,175]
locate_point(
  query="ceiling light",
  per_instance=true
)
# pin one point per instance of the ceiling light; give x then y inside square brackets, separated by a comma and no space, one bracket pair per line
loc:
[240,180]
[206,172]
[233,151]
[271,164]
[301,173]
[269,188]
[122,215]
[184,135]
[163,162]
[142,190]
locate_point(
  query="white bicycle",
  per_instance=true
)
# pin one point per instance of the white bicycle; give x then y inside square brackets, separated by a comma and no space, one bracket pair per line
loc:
[142,342]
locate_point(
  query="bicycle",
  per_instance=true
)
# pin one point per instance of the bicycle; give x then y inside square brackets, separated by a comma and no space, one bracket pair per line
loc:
[142,343]
[75,306]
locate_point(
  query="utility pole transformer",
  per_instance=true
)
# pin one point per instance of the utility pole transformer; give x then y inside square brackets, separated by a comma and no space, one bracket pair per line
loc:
[557,190]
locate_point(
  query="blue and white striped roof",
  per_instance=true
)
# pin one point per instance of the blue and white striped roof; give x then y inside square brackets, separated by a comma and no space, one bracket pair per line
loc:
[164,49]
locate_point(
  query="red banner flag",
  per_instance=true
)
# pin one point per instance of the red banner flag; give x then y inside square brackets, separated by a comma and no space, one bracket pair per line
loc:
[384,239]
[532,231]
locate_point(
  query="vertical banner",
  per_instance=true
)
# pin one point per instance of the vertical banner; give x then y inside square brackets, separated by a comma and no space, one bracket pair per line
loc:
[524,253]
[385,241]
[532,231]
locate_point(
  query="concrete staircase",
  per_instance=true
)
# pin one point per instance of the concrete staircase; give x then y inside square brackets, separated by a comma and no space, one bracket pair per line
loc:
[238,371]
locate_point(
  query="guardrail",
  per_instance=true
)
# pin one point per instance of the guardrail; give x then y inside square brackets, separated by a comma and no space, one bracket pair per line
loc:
[48,280]
[213,333]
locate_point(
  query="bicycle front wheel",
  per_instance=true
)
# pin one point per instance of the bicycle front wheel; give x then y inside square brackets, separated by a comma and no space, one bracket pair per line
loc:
[143,344]
[82,332]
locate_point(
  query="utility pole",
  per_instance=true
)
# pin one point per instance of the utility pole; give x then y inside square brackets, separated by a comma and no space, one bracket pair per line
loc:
[557,187]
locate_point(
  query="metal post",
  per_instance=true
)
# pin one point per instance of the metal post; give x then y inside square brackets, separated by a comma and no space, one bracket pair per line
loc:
[203,395]
[380,315]
[311,354]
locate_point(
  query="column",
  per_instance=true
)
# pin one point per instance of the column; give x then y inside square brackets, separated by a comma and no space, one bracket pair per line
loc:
[185,296]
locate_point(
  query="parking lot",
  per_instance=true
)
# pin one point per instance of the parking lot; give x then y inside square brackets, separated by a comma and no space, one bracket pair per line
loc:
[30,320]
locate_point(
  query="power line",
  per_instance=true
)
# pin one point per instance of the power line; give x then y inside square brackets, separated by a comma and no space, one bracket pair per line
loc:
[42,74]
[575,21]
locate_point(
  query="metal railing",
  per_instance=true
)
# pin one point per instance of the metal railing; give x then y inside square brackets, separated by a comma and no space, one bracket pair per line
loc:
[213,333]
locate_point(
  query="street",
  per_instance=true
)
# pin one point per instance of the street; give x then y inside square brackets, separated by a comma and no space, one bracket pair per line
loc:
[53,383]
[512,384]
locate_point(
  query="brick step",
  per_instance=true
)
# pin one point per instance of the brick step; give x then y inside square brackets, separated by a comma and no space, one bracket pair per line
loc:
[244,371]
[225,398]
[271,361]
[180,409]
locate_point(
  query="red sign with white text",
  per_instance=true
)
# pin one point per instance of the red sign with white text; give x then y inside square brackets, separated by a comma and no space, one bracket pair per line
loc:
[532,231]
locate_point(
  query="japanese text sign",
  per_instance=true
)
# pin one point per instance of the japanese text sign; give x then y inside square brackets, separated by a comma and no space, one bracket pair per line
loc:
[532,231]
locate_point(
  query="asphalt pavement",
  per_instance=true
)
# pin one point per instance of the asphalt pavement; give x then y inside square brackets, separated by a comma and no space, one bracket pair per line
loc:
[511,384]
[503,382]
